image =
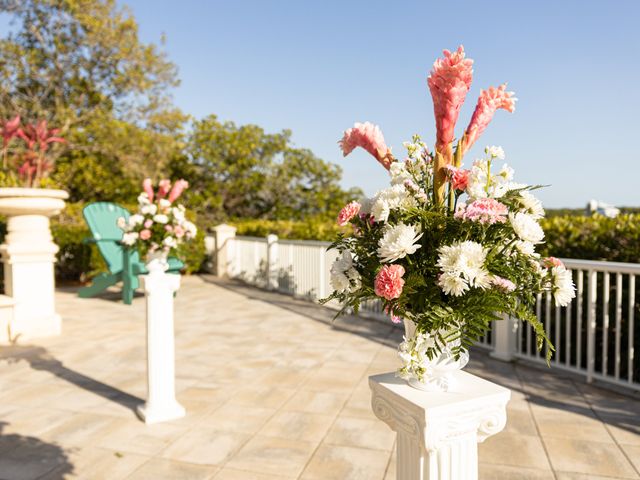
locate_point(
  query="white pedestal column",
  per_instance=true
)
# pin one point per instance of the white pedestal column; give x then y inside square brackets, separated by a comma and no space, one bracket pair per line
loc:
[28,254]
[505,333]
[161,404]
[438,432]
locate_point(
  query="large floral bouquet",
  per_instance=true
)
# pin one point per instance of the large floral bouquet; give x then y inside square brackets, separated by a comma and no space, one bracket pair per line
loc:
[448,248]
[160,224]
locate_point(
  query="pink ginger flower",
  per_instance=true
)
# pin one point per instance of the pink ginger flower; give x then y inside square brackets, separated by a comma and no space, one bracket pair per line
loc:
[145,234]
[459,177]
[349,211]
[550,262]
[485,210]
[449,82]
[163,188]
[9,129]
[489,101]
[147,186]
[389,282]
[503,284]
[177,189]
[148,223]
[368,136]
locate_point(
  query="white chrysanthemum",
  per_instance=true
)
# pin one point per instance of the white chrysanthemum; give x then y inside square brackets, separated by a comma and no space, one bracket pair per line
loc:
[135,219]
[178,213]
[399,173]
[143,199]
[130,238]
[191,229]
[453,284]
[482,184]
[562,285]
[160,218]
[150,209]
[398,242]
[121,223]
[531,204]
[495,152]
[344,277]
[389,199]
[526,248]
[526,227]
[170,242]
[464,260]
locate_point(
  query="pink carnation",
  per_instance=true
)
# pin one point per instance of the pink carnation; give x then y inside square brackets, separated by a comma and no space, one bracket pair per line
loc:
[388,282]
[484,210]
[145,234]
[394,318]
[503,284]
[459,177]
[349,211]
[368,136]
[179,231]
[489,101]
[550,262]
[449,82]
[148,223]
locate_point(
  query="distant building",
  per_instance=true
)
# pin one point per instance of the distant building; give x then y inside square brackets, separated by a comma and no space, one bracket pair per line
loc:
[602,208]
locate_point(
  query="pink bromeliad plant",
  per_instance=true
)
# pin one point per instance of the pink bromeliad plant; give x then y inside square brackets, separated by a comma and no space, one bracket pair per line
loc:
[160,224]
[32,157]
[446,249]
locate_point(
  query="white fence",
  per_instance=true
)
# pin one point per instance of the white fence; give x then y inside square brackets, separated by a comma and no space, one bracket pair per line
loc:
[594,336]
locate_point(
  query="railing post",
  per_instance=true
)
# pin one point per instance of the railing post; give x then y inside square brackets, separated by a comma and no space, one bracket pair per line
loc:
[272,262]
[222,254]
[505,334]
[591,324]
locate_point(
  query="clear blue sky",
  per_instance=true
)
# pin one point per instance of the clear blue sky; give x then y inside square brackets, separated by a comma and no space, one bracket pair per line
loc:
[315,67]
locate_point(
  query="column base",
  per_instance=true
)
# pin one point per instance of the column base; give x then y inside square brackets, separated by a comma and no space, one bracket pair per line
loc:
[155,414]
[502,357]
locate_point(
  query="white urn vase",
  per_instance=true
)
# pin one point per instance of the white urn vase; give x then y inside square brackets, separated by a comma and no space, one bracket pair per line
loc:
[28,254]
[429,374]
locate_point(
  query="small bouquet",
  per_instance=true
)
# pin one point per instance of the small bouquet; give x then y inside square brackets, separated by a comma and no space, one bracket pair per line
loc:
[160,225]
[446,249]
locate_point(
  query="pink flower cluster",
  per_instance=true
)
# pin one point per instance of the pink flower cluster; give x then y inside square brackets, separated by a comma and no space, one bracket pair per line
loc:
[503,284]
[389,282]
[484,210]
[550,262]
[164,188]
[394,318]
[349,211]
[489,101]
[368,136]
[449,82]
[459,177]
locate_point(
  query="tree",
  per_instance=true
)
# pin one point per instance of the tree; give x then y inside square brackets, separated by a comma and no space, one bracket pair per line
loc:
[80,65]
[243,172]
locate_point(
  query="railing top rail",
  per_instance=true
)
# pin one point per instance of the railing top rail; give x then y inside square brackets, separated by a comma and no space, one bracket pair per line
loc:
[243,238]
[307,243]
[600,266]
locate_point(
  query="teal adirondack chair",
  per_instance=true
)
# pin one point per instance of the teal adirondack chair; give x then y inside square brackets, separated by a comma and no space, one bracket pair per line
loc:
[124,264]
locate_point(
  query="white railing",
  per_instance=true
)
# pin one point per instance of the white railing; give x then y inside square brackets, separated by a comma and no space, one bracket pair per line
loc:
[594,335]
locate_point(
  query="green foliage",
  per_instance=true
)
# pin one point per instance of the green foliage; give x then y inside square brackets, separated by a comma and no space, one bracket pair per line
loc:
[593,238]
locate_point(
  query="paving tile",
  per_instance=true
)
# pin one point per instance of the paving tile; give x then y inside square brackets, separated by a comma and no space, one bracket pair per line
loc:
[310,427]
[232,417]
[625,429]
[79,430]
[520,422]
[524,451]
[633,454]
[553,422]
[205,446]
[593,458]
[267,396]
[310,401]
[97,464]
[345,463]
[234,474]
[273,456]
[360,432]
[488,471]
[158,468]
[136,437]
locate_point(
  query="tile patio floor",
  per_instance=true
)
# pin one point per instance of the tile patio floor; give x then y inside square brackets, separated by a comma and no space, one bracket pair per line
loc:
[272,391]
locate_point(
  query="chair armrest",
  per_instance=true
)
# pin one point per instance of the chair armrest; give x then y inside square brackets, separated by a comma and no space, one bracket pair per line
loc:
[98,240]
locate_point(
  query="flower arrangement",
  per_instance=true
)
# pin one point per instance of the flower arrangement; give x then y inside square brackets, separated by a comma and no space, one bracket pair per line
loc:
[447,248]
[33,159]
[160,224]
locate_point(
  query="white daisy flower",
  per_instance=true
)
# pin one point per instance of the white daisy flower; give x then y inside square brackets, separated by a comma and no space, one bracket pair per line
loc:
[398,241]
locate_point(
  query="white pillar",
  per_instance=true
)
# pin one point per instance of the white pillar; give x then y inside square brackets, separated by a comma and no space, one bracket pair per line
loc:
[438,432]
[222,252]
[161,404]
[272,261]
[29,254]
[505,336]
